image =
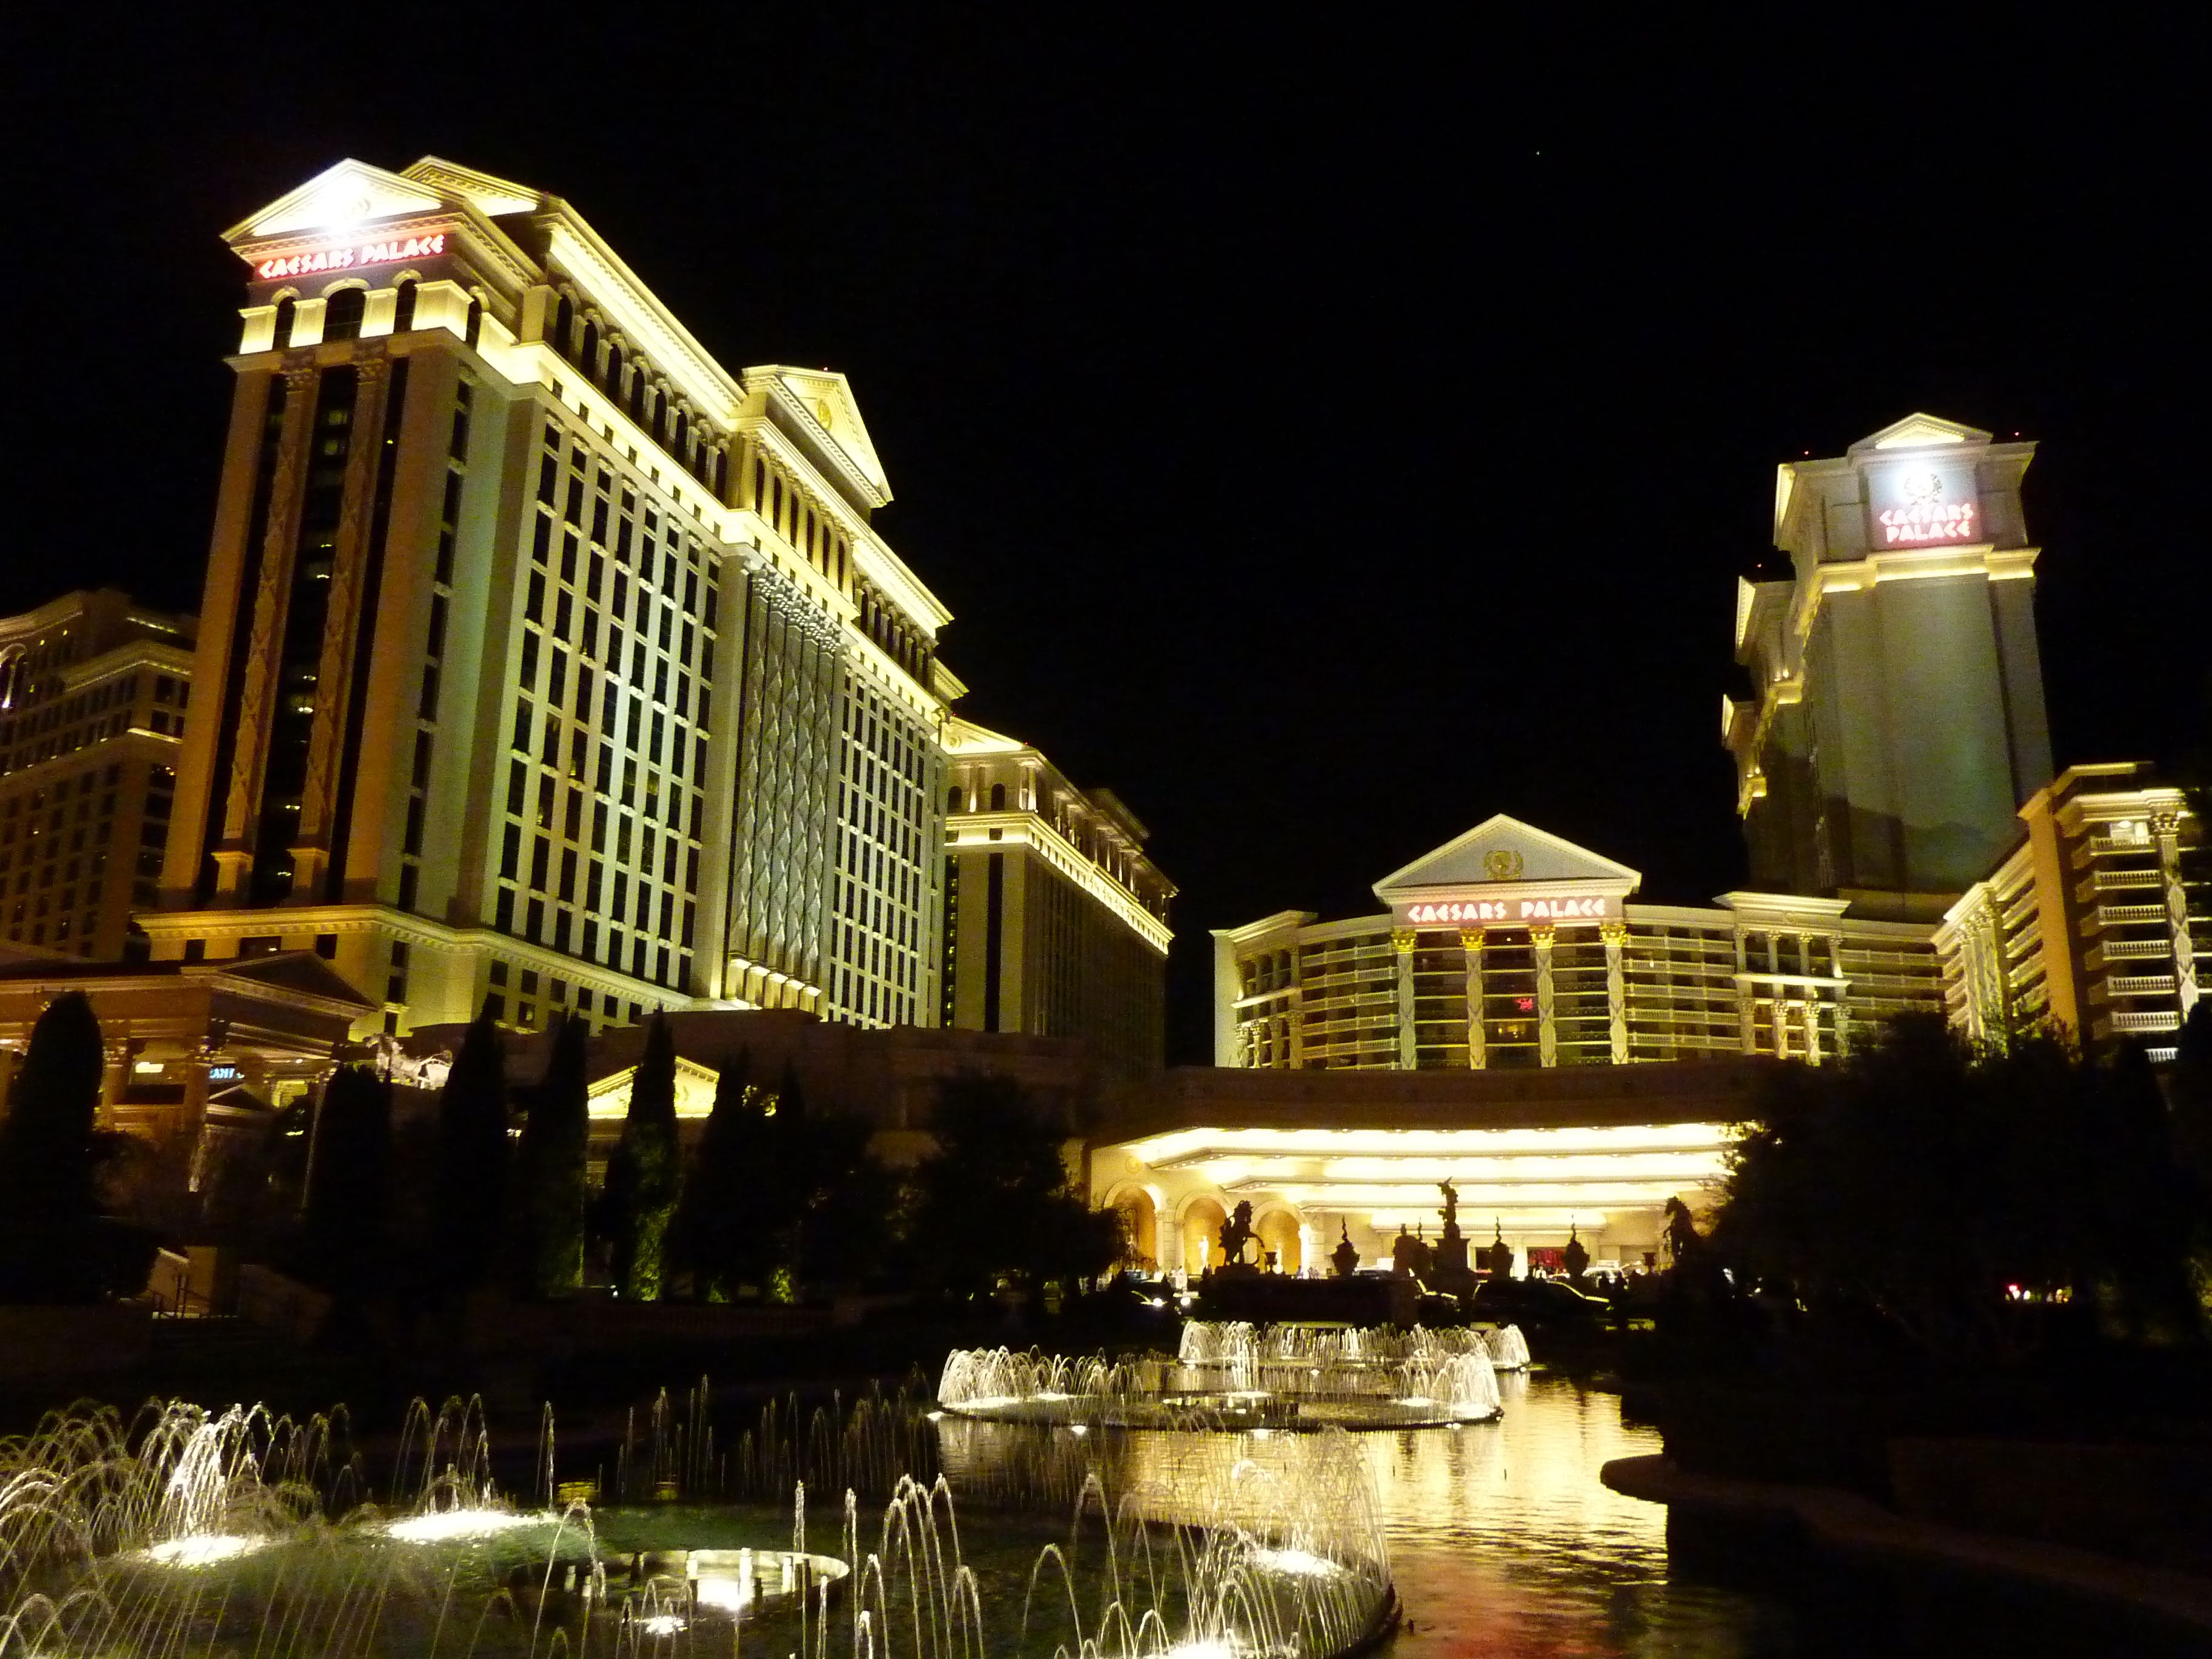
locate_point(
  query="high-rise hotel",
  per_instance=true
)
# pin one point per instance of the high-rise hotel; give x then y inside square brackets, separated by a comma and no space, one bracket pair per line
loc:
[542,658]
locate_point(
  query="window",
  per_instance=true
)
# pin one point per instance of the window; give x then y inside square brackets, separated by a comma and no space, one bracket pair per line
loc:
[402,309]
[285,309]
[341,314]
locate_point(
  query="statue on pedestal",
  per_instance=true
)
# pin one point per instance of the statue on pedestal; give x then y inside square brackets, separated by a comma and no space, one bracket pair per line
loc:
[1237,1235]
[1452,1273]
[1410,1256]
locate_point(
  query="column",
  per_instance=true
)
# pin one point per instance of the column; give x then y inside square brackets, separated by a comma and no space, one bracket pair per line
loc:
[1813,1027]
[335,689]
[2168,828]
[1401,941]
[1547,1034]
[262,613]
[1470,942]
[1615,935]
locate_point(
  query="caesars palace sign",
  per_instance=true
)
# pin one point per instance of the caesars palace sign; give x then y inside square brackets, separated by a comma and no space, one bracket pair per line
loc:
[345,259]
[1508,911]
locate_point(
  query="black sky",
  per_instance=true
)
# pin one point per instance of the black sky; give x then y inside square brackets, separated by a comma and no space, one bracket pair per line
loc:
[1327,435]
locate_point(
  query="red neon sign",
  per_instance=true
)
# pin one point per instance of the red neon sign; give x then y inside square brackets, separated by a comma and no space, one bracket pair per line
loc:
[361,253]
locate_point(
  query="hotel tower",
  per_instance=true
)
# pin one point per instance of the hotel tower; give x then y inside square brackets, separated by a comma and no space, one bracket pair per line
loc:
[1895,719]
[542,658]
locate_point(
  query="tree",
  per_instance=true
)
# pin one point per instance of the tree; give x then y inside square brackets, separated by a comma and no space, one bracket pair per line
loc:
[350,1186]
[779,1196]
[996,1198]
[643,1176]
[1940,1185]
[555,1132]
[469,1200]
[50,1153]
[706,1240]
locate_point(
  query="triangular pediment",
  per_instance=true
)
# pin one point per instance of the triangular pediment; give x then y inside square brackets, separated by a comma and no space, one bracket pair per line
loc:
[827,397]
[339,198]
[489,194]
[1503,852]
[1920,432]
[296,971]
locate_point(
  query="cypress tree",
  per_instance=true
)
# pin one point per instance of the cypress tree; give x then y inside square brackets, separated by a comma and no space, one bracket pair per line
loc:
[706,1238]
[49,1156]
[553,1136]
[350,1188]
[642,1175]
[469,1203]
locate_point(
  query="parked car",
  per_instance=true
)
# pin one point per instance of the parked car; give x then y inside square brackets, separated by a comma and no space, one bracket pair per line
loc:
[1535,1304]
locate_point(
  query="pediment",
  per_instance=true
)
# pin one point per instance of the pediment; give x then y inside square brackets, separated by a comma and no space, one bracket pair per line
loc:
[337,199]
[489,195]
[827,397]
[1920,432]
[1503,852]
[302,971]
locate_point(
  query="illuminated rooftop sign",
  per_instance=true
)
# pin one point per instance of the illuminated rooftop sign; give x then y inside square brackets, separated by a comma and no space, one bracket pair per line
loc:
[1924,504]
[384,253]
[1511,911]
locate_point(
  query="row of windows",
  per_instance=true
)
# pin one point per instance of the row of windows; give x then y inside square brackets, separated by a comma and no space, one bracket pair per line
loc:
[887,848]
[623,373]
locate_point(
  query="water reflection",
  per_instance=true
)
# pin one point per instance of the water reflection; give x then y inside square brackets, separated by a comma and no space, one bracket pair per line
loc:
[1502,1539]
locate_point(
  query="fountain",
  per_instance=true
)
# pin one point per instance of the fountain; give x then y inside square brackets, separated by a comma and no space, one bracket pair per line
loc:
[1233,1377]
[187,1532]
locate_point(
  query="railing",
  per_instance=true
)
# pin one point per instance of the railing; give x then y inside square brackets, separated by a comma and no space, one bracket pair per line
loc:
[2146,1022]
[2112,914]
[2132,950]
[2139,985]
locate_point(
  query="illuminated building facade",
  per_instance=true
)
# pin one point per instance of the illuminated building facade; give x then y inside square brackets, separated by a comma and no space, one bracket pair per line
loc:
[1509,948]
[543,658]
[1055,921]
[2097,922]
[92,696]
[1537,1157]
[1896,716]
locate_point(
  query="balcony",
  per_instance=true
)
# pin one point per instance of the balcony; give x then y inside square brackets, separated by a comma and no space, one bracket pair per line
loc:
[2130,949]
[2121,914]
[2153,1022]
[2138,985]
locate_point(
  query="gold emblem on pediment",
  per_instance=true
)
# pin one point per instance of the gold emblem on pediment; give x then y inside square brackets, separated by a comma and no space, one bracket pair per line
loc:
[1504,864]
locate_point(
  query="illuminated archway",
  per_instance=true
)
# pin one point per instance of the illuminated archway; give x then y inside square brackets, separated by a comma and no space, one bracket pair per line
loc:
[1139,1222]
[1278,1228]
[1203,1218]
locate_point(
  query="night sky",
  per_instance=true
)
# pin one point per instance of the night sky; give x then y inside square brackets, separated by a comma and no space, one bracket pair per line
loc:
[1325,437]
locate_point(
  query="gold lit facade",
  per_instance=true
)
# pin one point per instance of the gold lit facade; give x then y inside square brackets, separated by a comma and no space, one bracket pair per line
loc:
[93,693]
[545,659]
[2097,923]
[1056,919]
[1510,948]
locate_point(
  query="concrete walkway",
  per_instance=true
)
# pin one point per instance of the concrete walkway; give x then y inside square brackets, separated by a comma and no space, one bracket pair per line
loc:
[1850,1525]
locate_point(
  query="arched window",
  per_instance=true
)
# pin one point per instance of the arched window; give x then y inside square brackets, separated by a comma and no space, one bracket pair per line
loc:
[997,798]
[341,314]
[588,359]
[659,414]
[475,327]
[285,310]
[637,405]
[615,369]
[682,434]
[564,327]
[952,798]
[721,471]
[403,308]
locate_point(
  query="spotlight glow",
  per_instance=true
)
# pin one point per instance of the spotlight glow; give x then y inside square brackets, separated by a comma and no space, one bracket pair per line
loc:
[203,1549]
[444,1525]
